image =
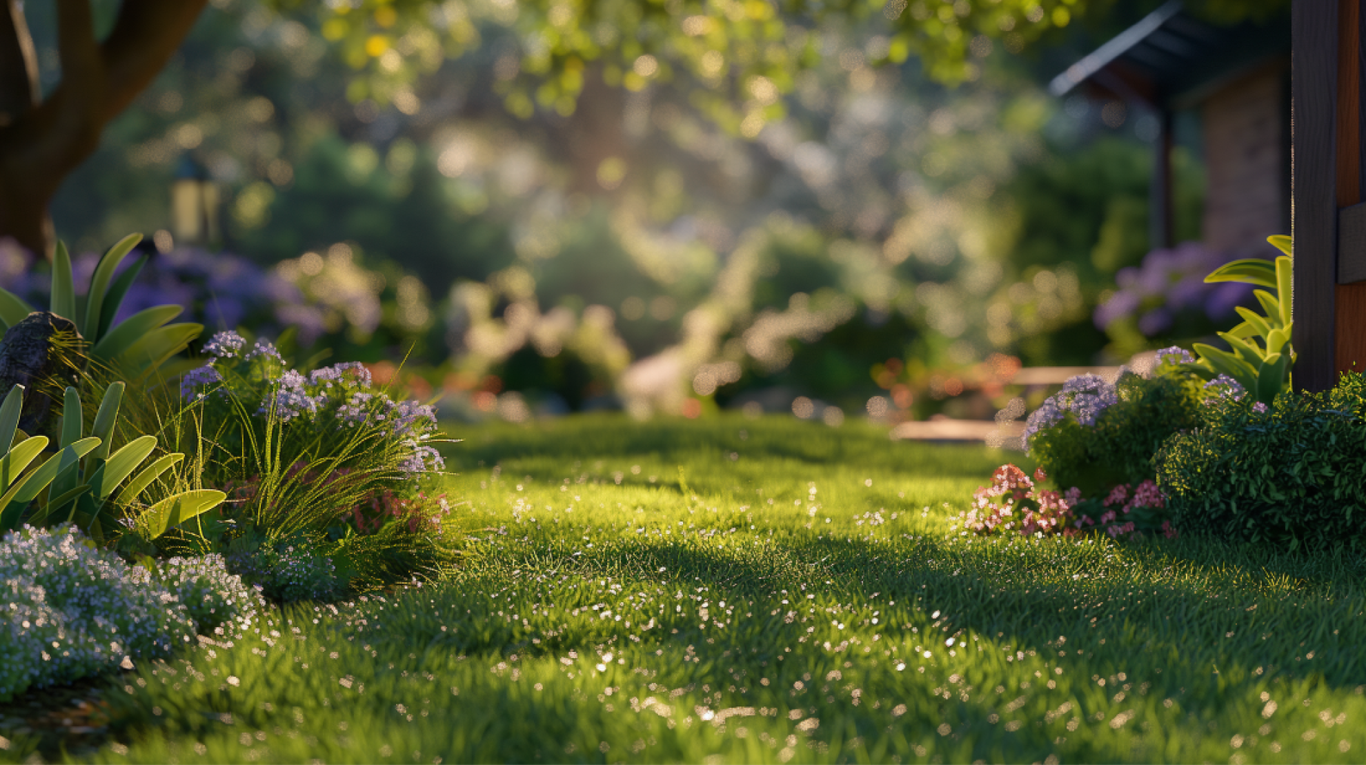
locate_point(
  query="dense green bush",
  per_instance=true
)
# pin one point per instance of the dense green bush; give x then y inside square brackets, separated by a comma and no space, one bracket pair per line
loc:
[1096,435]
[1290,474]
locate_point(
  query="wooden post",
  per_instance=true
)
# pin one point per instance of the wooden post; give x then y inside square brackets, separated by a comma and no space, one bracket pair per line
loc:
[1160,192]
[1350,294]
[1313,220]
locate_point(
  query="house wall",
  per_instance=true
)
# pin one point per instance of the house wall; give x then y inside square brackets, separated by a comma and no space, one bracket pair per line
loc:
[1246,198]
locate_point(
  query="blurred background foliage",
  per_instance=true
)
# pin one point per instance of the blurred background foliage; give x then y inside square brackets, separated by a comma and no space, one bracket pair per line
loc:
[668,239]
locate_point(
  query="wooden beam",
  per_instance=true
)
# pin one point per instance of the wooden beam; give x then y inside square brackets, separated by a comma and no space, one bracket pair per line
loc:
[1314,67]
[1350,295]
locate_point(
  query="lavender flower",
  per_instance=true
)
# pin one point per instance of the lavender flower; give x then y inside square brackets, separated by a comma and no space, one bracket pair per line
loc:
[1175,355]
[1085,397]
[225,345]
[198,378]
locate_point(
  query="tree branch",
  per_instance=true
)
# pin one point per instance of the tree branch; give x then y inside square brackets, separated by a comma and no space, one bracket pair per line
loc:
[19,88]
[145,36]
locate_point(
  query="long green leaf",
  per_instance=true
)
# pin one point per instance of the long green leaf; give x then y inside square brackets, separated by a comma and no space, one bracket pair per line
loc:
[70,432]
[157,346]
[24,490]
[1244,349]
[173,511]
[53,508]
[105,418]
[1248,270]
[133,329]
[195,503]
[10,411]
[1275,342]
[12,309]
[73,418]
[1271,377]
[1258,323]
[1271,304]
[63,290]
[19,458]
[1244,331]
[99,283]
[1285,285]
[109,308]
[142,480]
[1282,243]
[1226,363]
[122,463]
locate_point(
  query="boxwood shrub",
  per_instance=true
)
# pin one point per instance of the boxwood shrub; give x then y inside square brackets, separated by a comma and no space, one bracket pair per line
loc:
[1293,474]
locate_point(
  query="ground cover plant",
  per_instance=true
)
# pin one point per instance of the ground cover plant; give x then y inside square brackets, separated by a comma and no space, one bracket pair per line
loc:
[771,590]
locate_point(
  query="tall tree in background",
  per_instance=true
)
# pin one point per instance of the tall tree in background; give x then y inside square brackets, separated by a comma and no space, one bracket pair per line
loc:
[740,54]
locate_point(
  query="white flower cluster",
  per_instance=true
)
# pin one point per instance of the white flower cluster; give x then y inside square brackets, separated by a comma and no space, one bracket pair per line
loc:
[69,609]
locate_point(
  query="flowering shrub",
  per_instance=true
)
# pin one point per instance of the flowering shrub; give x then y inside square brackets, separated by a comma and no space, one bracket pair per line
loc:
[69,610]
[1096,435]
[1289,474]
[211,596]
[1014,502]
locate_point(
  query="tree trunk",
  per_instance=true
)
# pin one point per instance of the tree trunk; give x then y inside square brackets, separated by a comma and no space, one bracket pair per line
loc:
[42,141]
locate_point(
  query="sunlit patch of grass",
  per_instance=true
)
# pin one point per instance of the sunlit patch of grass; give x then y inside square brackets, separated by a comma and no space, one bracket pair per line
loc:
[793,594]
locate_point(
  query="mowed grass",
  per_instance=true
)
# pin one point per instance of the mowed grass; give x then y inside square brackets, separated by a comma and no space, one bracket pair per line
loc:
[731,590]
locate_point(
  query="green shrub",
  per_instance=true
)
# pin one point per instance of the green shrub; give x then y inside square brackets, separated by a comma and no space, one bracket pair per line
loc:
[1096,435]
[1290,474]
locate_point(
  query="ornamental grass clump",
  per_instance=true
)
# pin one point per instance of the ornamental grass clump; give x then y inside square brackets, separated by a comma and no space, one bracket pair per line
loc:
[70,610]
[1289,474]
[324,462]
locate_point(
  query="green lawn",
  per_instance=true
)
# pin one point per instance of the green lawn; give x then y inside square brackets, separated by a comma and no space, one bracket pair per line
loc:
[732,590]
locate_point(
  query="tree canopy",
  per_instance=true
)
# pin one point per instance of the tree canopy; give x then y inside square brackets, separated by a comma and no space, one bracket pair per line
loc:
[736,57]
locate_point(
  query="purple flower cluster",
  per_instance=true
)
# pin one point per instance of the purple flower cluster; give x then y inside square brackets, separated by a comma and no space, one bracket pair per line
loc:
[1175,355]
[1085,397]
[1168,282]
[344,390]
[225,345]
[198,378]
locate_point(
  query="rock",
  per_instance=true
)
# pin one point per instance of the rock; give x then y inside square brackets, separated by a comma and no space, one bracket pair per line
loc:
[44,353]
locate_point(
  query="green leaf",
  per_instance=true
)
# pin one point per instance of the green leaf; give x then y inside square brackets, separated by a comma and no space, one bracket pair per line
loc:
[1285,285]
[1282,243]
[122,463]
[109,307]
[12,309]
[1247,270]
[131,330]
[157,346]
[1226,363]
[1244,331]
[72,418]
[1243,349]
[63,290]
[19,458]
[23,491]
[1271,377]
[99,284]
[1277,340]
[105,418]
[1258,323]
[145,478]
[53,508]
[10,411]
[1270,304]
[173,511]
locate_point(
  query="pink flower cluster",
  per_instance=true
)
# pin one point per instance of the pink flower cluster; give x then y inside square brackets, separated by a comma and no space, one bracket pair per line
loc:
[1146,494]
[1014,502]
